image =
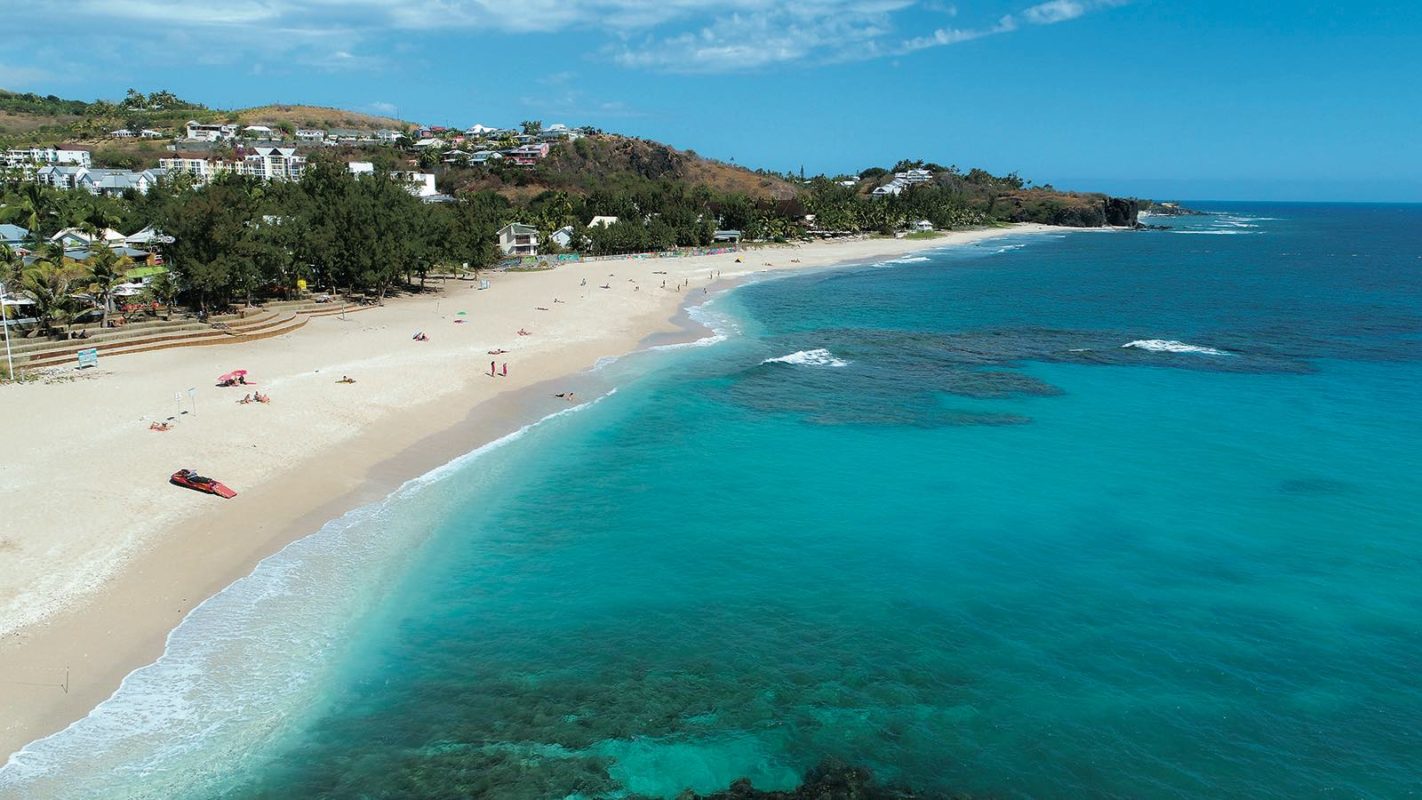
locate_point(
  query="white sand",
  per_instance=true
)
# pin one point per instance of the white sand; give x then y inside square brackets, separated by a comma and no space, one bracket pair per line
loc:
[100,557]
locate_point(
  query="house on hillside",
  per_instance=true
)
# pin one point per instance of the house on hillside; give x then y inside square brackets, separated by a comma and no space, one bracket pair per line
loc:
[563,237]
[479,130]
[387,136]
[419,184]
[428,142]
[485,156]
[75,239]
[147,238]
[121,133]
[893,188]
[310,135]
[261,132]
[202,132]
[114,182]
[274,163]
[60,176]
[202,169]
[602,222]
[517,239]
[361,167]
[914,177]
[150,133]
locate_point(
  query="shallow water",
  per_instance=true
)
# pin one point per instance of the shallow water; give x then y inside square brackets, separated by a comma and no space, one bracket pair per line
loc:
[935,517]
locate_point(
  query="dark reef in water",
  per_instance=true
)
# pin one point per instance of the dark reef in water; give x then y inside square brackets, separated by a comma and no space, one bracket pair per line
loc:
[831,780]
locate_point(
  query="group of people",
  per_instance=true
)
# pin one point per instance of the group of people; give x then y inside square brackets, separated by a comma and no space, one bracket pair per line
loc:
[255,397]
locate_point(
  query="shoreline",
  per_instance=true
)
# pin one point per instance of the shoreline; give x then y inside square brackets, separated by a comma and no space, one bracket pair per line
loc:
[425,416]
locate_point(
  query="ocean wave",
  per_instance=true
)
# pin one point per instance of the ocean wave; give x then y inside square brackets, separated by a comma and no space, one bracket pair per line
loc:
[1172,346]
[810,358]
[907,260]
[236,673]
[1221,232]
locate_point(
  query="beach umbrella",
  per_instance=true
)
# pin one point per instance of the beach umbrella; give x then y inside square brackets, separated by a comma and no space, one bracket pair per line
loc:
[232,376]
[462,313]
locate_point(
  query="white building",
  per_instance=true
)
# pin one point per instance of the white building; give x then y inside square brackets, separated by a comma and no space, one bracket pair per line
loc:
[40,156]
[258,132]
[201,132]
[274,163]
[602,222]
[914,177]
[563,237]
[517,239]
[361,167]
[313,135]
[419,184]
[202,169]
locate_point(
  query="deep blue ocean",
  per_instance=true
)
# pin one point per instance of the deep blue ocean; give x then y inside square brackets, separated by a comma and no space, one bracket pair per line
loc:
[1090,515]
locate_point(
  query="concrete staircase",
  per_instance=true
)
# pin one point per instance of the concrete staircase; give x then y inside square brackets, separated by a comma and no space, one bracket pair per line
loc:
[274,319]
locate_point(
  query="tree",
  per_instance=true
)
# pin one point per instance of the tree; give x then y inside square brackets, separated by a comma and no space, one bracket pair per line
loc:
[106,272]
[50,285]
[532,127]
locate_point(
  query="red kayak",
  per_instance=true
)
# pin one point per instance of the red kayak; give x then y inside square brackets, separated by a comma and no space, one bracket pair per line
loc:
[191,480]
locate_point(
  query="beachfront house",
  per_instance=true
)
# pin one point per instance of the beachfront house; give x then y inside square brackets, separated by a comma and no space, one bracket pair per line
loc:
[13,235]
[517,239]
[732,236]
[563,237]
[914,177]
[922,226]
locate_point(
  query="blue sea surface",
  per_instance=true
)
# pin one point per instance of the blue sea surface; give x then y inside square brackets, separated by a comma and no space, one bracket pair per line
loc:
[1090,515]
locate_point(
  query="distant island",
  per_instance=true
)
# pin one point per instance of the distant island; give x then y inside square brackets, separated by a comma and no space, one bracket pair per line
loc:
[231,205]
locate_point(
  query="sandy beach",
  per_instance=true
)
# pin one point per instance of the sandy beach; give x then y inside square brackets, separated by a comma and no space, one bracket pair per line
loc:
[100,557]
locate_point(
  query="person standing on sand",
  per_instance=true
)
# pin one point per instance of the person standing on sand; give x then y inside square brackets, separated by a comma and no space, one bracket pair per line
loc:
[506,369]
[491,368]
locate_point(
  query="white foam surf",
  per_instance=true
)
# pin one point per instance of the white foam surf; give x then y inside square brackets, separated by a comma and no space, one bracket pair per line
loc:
[245,665]
[1172,346]
[809,358]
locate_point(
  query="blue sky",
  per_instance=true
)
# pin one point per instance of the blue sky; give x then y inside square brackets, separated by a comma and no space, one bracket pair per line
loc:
[1162,98]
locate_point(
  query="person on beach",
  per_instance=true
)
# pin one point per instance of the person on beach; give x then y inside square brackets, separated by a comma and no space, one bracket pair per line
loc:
[346,379]
[491,368]
[506,369]
[247,398]
[159,426]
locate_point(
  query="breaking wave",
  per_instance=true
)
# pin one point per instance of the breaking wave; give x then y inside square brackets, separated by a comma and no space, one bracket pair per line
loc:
[1172,346]
[810,358]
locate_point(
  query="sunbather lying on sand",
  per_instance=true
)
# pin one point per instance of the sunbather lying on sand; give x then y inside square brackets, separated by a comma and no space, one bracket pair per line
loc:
[522,332]
[346,379]
[159,426]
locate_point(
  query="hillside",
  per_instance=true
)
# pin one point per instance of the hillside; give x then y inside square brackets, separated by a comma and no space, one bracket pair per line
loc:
[316,117]
[607,162]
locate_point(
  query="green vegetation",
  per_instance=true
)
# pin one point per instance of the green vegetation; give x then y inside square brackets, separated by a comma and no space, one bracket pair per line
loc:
[237,239]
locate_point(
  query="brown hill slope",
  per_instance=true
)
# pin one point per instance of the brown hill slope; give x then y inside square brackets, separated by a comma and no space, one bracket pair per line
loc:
[317,117]
[610,162]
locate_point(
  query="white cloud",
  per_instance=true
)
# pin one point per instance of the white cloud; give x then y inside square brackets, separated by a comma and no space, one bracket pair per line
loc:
[382,107]
[1055,11]
[662,35]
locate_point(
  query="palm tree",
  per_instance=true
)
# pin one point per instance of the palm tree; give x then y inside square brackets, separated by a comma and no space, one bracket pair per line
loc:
[106,272]
[49,285]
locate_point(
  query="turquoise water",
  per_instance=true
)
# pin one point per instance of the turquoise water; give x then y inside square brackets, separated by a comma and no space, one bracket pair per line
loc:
[962,535]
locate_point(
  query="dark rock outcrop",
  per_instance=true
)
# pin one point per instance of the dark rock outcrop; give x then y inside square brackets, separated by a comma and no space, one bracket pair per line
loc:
[1122,212]
[831,780]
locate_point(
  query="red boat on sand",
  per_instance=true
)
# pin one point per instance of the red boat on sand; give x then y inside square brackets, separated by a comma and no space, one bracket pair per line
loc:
[191,480]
